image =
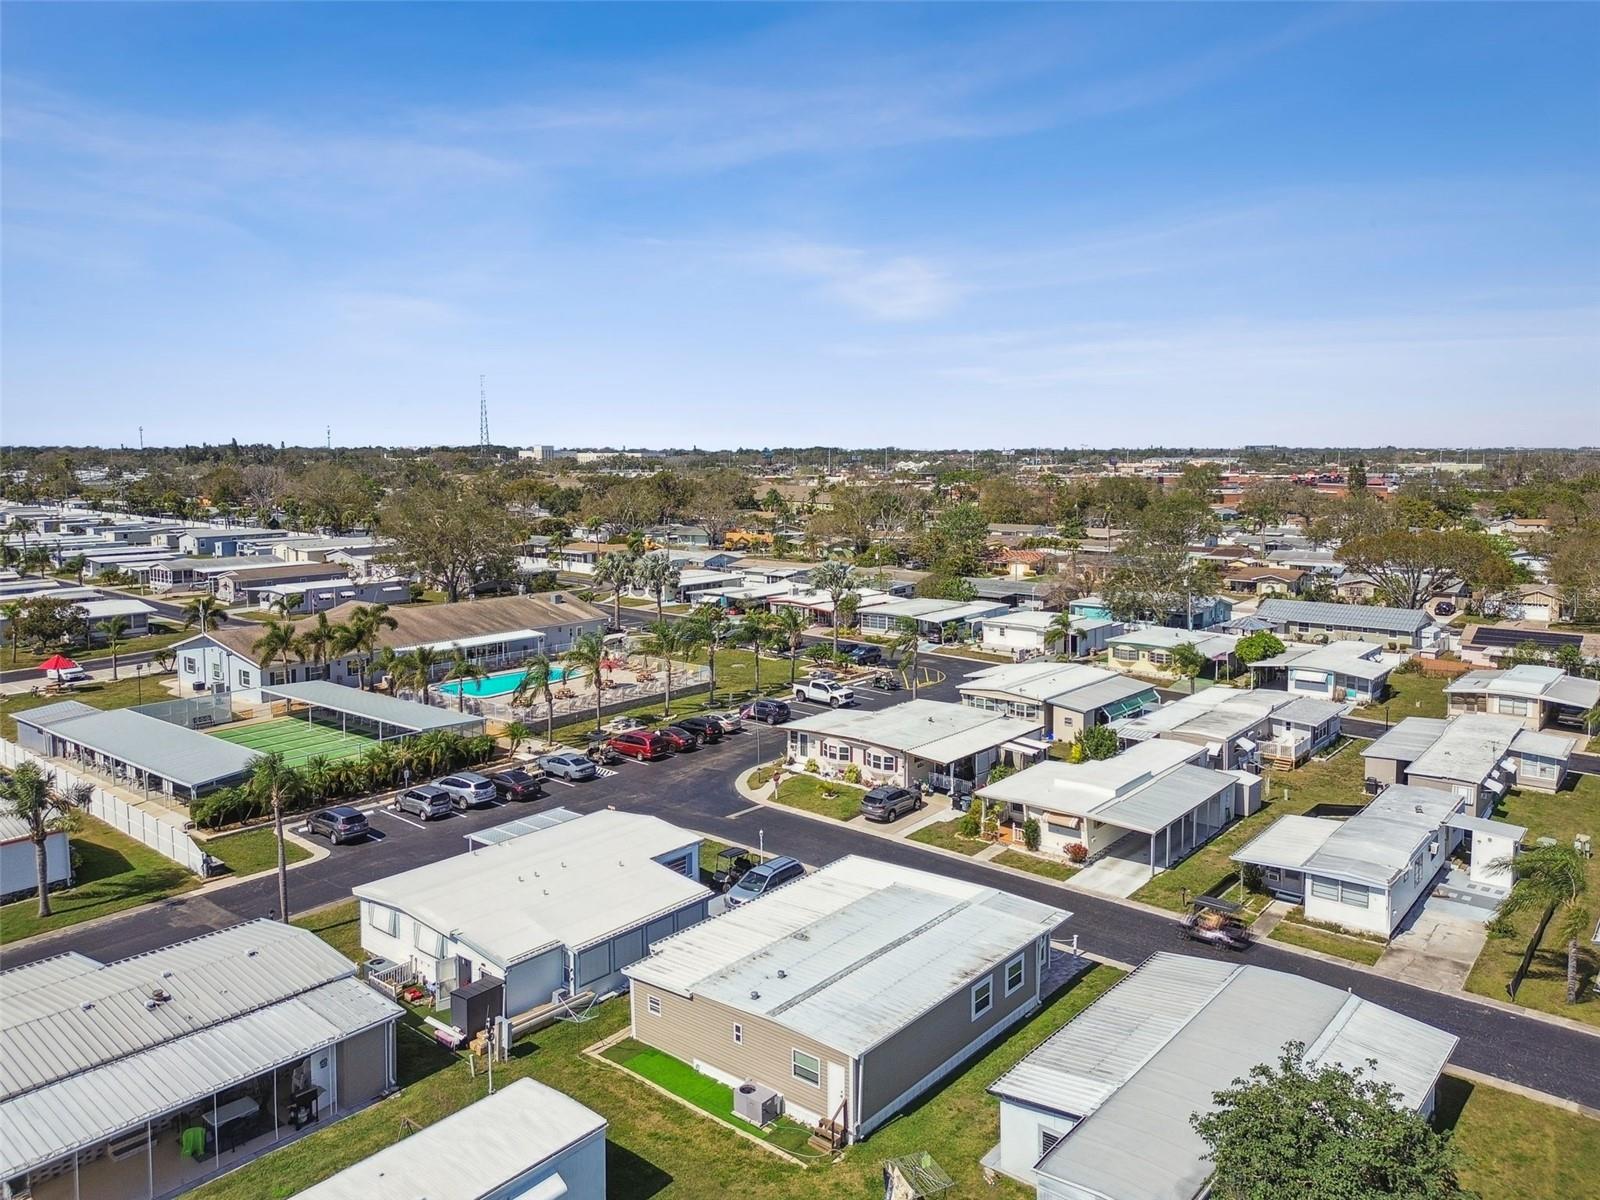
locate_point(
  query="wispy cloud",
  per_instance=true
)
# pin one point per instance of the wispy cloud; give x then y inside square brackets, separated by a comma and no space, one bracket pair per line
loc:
[896,287]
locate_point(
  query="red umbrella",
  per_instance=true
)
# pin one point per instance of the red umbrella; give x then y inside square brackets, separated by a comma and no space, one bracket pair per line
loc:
[57,662]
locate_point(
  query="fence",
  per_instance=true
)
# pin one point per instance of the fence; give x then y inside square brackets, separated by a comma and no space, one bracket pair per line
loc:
[163,833]
[684,681]
[215,708]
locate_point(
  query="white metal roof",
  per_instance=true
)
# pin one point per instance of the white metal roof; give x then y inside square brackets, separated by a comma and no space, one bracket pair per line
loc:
[1177,1040]
[472,1152]
[570,885]
[852,953]
[1344,616]
[404,714]
[1532,682]
[932,729]
[1308,710]
[1037,681]
[1287,843]
[171,751]
[1165,799]
[1468,749]
[1379,842]
[1163,637]
[1082,789]
[1547,745]
[1407,740]
[1474,824]
[1360,660]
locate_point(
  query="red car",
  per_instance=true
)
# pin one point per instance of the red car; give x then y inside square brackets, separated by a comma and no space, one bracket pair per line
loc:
[679,738]
[641,744]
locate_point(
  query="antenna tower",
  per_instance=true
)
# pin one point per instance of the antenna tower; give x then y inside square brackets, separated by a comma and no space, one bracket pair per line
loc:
[483,417]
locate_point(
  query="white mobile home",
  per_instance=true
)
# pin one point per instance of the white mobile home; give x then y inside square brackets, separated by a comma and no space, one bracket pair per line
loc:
[19,871]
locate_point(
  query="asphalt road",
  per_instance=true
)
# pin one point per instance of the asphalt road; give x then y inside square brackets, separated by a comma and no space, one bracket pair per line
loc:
[696,790]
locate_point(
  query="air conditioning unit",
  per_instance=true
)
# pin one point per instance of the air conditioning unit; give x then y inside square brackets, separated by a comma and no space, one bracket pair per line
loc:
[757,1103]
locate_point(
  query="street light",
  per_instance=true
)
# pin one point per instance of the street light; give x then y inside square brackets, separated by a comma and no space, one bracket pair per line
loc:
[138,681]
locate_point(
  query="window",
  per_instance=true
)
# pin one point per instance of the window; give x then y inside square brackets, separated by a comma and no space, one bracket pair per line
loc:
[836,751]
[982,997]
[383,919]
[1325,889]
[1047,1141]
[1353,895]
[429,942]
[738,1034]
[245,680]
[807,1067]
[188,664]
[652,1005]
[1044,954]
[1069,827]
[1014,975]
[881,762]
[1159,658]
[1513,707]
[1125,653]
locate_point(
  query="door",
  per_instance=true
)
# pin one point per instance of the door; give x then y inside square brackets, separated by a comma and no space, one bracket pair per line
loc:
[322,1077]
[838,1091]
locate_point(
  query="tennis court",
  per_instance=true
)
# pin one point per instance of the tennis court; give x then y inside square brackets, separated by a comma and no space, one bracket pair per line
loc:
[297,739]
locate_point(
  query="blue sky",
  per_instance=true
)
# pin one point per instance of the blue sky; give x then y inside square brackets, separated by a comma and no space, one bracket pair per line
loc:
[923,226]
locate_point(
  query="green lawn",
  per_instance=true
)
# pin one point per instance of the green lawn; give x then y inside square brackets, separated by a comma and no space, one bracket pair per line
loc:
[126,691]
[254,850]
[161,635]
[826,797]
[1413,695]
[1512,1147]
[1575,810]
[1048,867]
[1208,870]
[1355,949]
[947,836]
[114,872]
[657,1151]
[705,1093]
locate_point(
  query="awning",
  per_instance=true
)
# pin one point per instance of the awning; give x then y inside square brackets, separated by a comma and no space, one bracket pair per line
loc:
[1495,786]
[1026,745]
[1214,749]
[1244,744]
[1121,708]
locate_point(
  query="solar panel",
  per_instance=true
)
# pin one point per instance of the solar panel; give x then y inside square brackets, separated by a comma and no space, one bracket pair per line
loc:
[1489,635]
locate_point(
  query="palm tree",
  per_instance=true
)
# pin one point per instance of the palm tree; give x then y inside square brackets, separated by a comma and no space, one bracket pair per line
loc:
[281,606]
[461,670]
[278,640]
[708,629]
[360,633]
[1061,626]
[588,653]
[614,571]
[658,575]
[30,794]
[665,638]
[415,669]
[538,673]
[23,526]
[755,629]
[319,638]
[275,783]
[12,611]
[113,629]
[77,563]
[790,623]
[836,578]
[382,763]
[516,733]
[903,650]
[37,558]
[204,611]
[1552,880]
[385,662]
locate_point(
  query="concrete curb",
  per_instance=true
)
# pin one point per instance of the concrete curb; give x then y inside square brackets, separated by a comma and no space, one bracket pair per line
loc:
[1517,1089]
[1168,914]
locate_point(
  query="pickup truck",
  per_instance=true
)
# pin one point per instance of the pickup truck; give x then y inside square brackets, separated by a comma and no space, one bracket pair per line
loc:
[824,691]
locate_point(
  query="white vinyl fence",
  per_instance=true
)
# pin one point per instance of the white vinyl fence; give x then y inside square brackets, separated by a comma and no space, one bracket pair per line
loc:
[161,830]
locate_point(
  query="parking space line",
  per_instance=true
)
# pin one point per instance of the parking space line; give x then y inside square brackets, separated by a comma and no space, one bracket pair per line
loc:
[562,782]
[743,811]
[403,820]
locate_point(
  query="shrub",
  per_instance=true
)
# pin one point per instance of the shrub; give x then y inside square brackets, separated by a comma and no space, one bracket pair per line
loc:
[812,767]
[1411,666]
[852,774]
[1001,771]
[1030,833]
[1097,742]
[1077,851]
[1251,875]
[972,821]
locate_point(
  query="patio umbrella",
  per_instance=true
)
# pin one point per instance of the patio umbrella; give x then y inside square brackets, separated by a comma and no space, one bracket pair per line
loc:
[58,662]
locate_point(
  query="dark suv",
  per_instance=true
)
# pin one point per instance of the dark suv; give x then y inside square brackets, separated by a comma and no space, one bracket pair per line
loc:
[339,824]
[707,729]
[759,880]
[886,803]
[865,655]
[772,712]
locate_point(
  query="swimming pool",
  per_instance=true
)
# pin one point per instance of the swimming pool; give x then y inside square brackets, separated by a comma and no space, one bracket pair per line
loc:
[502,684]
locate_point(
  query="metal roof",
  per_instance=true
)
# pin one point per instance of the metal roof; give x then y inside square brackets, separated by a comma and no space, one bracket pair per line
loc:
[1287,843]
[519,1128]
[1468,749]
[404,714]
[1165,799]
[1087,789]
[532,823]
[1308,710]
[1379,842]
[1374,617]
[570,885]
[1483,825]
[1572,692]
[1407,740]
[852,953]
[1164,637]
[926,728]
[85,1108]
[1361,660]
[1037,681]
[1547,745]
[47,715]
[1103,693]
[1196,1033]
[173,752]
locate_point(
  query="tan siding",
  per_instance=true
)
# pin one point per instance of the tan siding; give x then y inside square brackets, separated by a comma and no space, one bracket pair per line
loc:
[363,1066]
[702,1030]
[1384,770]
[943,1032]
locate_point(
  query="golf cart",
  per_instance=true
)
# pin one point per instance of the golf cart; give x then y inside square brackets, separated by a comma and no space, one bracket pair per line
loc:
[886,681]
[1215,920]
[732,863]
[602,755]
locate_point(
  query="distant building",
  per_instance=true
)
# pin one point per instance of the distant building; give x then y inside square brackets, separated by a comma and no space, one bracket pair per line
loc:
[538,453]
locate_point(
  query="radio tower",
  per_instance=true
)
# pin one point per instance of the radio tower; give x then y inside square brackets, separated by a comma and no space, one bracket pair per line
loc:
[483,419]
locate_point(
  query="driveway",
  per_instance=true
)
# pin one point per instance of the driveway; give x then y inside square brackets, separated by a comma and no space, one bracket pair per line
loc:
[1122,872]
[1437,943]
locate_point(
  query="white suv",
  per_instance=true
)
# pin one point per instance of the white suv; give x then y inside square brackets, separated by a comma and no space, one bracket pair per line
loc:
[824,691]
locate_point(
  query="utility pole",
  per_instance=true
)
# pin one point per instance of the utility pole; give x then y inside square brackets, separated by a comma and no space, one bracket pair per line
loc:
[330,437]
[141,437]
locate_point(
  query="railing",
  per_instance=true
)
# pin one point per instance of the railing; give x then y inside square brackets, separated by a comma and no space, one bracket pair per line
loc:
[392,978]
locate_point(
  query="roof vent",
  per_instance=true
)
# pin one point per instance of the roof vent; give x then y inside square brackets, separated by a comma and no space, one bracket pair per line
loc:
[251,953]
[782,974]
[166,974]
[800,935]
[88,1006]
[1418,807]
[557,598]
[754,995]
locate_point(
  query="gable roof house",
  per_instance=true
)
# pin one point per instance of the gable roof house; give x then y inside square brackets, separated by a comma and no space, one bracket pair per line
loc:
[1405,627]
[1345,670]
[1065,697]
[111,1070]
[1477,755]
[849,992]
[1538,697]
[561,907]
[1149,650]
[499,632]
[1100,1111]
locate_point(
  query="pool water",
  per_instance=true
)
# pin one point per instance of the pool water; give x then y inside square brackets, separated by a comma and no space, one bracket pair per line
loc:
[495,685]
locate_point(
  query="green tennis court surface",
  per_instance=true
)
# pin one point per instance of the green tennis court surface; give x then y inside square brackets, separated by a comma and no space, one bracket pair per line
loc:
[296,739]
